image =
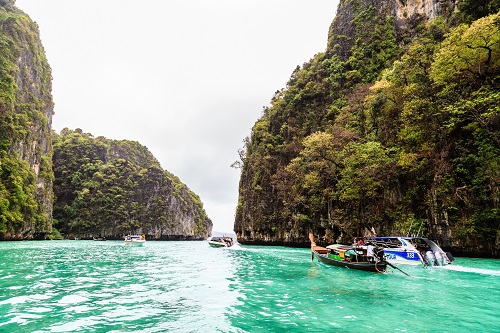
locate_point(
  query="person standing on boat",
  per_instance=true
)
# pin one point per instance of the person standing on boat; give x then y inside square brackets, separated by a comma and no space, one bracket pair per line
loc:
[369,251]
[360,241]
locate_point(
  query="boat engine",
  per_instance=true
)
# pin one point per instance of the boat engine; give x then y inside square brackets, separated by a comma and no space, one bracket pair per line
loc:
[379,253]
[430,258]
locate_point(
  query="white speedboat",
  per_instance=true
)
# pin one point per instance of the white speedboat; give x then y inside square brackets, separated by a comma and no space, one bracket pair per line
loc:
[135,239]
[224,241]
[411,250]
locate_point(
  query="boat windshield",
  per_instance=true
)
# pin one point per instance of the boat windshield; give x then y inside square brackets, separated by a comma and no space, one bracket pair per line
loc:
[387,241]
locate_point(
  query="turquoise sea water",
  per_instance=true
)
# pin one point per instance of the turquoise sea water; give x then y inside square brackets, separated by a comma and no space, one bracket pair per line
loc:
[87,286]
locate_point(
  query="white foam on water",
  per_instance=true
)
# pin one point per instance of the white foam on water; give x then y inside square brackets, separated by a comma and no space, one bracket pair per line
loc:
[235,247]
[459,268]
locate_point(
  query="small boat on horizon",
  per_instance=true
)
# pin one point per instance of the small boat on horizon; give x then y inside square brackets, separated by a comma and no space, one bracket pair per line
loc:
[99,238]
[135,239]
[224,241]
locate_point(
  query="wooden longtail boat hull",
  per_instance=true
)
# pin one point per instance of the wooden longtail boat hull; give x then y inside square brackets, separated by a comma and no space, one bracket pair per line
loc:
[322,254]
[368,266]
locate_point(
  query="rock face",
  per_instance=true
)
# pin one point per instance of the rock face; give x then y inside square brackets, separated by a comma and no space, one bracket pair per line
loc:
[405,9]
[406,13]
[25,118]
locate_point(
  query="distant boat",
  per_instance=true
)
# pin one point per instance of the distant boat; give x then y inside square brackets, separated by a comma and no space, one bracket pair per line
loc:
[99,238]
[347,256]
[135,239]
[224,241]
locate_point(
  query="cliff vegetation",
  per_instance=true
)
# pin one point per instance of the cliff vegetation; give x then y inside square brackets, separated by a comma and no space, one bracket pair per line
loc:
[112,188]
[395,126]
[25,116]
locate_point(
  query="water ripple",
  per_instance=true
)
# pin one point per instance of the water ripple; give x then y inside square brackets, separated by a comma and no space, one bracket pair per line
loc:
[85,286]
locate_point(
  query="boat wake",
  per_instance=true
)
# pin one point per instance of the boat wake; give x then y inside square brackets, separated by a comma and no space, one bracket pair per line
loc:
[458,268]
[235,247]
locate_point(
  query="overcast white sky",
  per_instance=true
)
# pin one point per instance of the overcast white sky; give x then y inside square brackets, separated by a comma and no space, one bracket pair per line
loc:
[185,78]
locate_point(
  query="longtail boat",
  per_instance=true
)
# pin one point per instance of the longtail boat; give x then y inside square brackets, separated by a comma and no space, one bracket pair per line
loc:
[368,259]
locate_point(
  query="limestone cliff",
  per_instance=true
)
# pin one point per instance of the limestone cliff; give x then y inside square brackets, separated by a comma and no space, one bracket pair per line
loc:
[112,188]
[406,14]
[26,110]
[391,127]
